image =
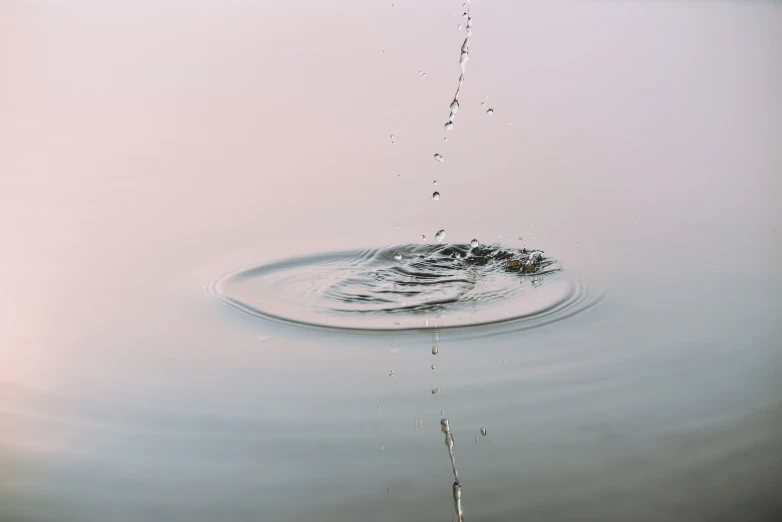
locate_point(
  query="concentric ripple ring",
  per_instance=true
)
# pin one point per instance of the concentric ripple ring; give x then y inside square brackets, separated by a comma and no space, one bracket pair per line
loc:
[408,287]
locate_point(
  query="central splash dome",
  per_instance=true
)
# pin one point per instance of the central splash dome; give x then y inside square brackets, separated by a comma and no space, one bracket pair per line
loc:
[407,287]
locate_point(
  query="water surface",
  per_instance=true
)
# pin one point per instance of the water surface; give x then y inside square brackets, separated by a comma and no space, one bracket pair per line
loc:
[148,149]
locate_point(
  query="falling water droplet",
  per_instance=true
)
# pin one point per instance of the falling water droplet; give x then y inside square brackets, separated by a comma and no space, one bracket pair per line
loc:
[459,27]
[490,112]
[436,196]
[455,105]
[434,182]
[483,431]
[439,236]
[474,243]
[435,391]
[433,367]
[398,256]
[449,125]
[423,237]
[439,157]
[435,350]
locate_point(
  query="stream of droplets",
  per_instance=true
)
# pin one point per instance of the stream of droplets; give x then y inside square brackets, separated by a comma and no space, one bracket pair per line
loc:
[464,57]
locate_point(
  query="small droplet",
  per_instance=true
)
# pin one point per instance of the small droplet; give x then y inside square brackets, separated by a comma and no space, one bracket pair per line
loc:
[439,236]
[483,431]
[474,243]
[455,105]
[434,182]
[435,391]
[423,237]
[436,196]
[433,367]
[449,125]
[438,157]
[397,256]
[435,350]
[459,27]
[490,112]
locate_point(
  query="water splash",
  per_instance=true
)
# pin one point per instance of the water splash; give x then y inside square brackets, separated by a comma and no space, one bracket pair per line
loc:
[457,488]
[448,285]
[464,57]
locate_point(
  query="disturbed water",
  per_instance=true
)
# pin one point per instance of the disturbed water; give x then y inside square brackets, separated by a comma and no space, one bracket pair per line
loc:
[409,287]
[633,373]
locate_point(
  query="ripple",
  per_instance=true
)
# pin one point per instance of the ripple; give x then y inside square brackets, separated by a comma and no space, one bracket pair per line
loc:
[443,286]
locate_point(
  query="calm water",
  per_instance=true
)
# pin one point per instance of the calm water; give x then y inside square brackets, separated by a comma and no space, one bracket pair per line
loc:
[148,150]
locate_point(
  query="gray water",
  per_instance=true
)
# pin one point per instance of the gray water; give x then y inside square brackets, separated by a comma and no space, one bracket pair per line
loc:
[148,150]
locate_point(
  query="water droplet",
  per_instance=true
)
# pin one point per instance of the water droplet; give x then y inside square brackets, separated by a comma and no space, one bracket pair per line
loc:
[439,157]
[435,391]
[490,112]
[398,256]
[455,106]
[482,104]
[423,237]
[459,27]
[434,182]
[439,236]
[483,431]
[436,196]
[449,125]
[435,350]
[433,367]
[474,243]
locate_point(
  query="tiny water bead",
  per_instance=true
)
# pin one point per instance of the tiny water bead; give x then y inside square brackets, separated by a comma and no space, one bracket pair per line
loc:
[449,125]
[483,431]
[436,196]
[439,236]
[439,157]
[474,243]
[397,256]
[490,112]
[435,350]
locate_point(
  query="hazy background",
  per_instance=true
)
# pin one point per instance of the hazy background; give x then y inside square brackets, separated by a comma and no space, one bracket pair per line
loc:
[148,147]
